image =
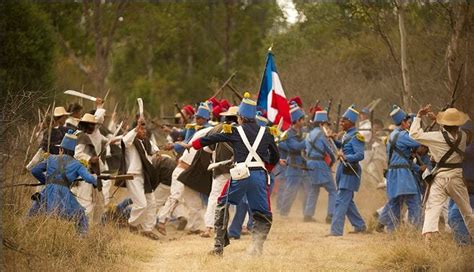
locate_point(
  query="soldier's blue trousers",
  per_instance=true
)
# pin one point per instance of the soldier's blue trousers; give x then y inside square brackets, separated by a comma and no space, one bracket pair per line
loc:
[313,194]
[345,206]
[241,211]
[255,188]
[292,186]
[456,222]
[394,207]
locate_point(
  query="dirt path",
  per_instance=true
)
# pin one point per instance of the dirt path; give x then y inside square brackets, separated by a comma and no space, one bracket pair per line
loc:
[292,245]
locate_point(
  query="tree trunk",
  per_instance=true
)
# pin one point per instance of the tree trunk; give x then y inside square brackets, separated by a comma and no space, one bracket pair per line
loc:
[406,92]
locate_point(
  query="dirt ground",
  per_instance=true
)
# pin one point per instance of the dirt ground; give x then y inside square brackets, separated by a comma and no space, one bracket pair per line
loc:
[293,245]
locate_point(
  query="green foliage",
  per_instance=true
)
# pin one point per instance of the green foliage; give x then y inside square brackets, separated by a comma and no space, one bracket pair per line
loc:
[27,47]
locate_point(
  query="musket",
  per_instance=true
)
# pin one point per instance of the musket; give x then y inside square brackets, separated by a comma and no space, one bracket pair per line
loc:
[33,138]
[333,151]
[223,85]
[453,99]
[329,107]
[50,128]
[235,92]
[124,177]
[339,105]
[185,119]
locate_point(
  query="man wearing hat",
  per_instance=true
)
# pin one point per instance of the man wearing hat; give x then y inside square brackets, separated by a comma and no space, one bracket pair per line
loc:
[254,150]
[201,119]
[73,120]
[447,148]
[57,132]
[320,175]
[61,171]
[90,143]
[222,152]
[348,175]
[296,169]
[402,181]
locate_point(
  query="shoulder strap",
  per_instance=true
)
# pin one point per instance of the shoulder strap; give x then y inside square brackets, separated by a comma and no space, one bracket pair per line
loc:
[393,147]
[453,147]
[252,149]
[313,145]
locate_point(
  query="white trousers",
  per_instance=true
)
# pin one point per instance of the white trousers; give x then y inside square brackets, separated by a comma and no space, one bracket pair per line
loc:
[441,189]
[91,199]
[176,196]
[194,204]
[217,185]
[162,193]
[144,205]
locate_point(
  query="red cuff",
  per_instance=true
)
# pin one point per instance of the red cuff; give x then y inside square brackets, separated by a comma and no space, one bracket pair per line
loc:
[197,144]
[269,167]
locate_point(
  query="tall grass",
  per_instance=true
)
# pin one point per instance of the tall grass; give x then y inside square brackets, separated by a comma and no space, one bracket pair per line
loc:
[407,250]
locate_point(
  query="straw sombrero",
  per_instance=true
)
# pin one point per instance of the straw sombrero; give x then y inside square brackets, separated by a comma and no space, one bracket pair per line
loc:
[88,118]
[232,111]
[452,117]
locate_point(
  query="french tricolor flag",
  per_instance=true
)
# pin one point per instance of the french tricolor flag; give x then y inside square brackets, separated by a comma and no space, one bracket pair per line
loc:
[271,97]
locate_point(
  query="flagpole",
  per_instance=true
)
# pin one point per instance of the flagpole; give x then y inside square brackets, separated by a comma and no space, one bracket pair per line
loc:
[269,51]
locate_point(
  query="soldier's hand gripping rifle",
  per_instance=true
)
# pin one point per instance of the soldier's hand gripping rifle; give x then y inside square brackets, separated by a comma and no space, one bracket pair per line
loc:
[334,152]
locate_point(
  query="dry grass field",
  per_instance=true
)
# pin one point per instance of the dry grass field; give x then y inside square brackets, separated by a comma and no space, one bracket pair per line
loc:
[42,244]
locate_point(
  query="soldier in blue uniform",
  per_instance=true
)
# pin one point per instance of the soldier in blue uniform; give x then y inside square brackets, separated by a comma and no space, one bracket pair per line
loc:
[254,146]
[61,171]
[348,176]
[280,173]
[317,147]
[201,120]
[402,183]
[296,165]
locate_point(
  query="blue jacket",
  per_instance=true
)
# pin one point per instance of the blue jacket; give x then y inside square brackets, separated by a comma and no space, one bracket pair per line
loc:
[468,163]
[317,146]
[352,146]
[295,160]
[73,169]
[401,181]
[267,150]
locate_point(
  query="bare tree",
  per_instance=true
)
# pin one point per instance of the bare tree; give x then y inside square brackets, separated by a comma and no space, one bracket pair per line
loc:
[407,91]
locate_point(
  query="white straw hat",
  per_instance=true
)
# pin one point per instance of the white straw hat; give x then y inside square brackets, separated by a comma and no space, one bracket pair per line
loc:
[60,111]
[88,118]
[452,117]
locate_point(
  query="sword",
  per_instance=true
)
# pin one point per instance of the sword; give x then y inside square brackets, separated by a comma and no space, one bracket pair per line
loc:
[140,107]
[217,164]
[78,94]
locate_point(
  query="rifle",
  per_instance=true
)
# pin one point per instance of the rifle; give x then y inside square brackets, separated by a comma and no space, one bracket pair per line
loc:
[224,85]
[329,107]
[50,128]
[185,119]
[453,99]
[339,105]
[235,92]
[123,177]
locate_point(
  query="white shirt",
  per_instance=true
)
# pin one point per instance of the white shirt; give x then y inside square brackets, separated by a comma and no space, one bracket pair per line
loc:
[72,120]
[188,155]
[365,127]
[434,140]
[132,158]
